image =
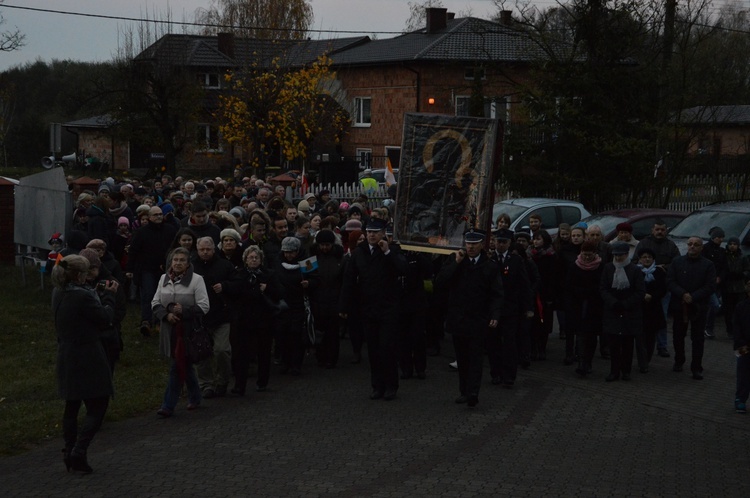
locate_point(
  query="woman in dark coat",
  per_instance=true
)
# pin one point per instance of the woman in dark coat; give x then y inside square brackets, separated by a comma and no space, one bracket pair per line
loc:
[326,297]
[623,292]
[543,255]
[260,289]
[83,372]
[584,303]
[655,279]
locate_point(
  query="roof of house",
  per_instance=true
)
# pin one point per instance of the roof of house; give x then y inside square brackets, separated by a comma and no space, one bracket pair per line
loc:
[201,51]
[463,39]
[103,121]
[717,115]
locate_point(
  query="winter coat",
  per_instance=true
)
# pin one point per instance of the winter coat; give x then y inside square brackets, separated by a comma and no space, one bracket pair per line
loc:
[653,313]
[325,299]
[218,270]
[738,267]
[190,292]
[583,312]
[81,318]
[622,313]
[254,312]
[149,248]
[696,276]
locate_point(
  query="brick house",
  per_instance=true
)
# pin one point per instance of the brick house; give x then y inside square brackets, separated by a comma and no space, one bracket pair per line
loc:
[432,70]
[718,131]
[97,142]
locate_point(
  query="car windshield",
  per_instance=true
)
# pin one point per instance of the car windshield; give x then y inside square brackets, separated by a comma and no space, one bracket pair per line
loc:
[699,223]
[606,222]
[512,210]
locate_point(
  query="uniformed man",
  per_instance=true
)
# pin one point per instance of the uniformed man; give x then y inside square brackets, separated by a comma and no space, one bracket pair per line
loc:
[475,300]
[502,346]
[373,275]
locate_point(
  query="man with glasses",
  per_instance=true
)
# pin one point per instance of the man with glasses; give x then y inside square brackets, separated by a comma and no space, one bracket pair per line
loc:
[692,280]
[146,258]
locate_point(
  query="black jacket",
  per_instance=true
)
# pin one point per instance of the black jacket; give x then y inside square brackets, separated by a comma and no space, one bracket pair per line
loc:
[149,248]
[218,271]
[520,298]
[374,280]
[696,276]
[475,295]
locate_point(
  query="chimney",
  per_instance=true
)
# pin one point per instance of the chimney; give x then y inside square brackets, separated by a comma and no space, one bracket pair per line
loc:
[505,17]
[450,16]
[226,44]
[436,19]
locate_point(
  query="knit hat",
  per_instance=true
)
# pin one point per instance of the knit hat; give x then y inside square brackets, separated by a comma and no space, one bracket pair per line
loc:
[303,206]
[352,225]
[325,236]
[355,209]
[56,238]
[230,232]
[344,205]
[733,240]
[308,195]
[238,212]
[624,227]
[123,221]
[104,188]
[166,209]
[716,232]
[290,244]
[143,208]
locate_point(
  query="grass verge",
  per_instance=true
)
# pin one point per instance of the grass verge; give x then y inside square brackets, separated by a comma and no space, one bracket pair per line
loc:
[30,411]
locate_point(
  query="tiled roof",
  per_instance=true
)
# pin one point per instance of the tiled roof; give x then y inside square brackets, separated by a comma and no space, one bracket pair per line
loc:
[717,115]
[103,121]
[203,51]
[464,39]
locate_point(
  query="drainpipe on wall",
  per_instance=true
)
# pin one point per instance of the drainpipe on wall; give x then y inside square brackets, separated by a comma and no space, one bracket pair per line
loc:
[419,86]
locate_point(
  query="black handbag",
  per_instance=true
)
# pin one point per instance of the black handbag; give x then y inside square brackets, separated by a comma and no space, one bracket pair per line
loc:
[198,342]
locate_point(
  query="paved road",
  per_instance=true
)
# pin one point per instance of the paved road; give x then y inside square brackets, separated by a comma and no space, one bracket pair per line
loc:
[662,434]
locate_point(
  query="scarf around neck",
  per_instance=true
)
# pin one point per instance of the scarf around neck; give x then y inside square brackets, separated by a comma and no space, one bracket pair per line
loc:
[620,279]
[648,273]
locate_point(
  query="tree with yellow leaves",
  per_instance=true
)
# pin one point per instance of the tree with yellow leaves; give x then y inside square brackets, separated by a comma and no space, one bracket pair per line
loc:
[276,109]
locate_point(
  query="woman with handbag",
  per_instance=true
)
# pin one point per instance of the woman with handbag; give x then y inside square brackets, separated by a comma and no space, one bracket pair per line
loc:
[260,299]
[179,303]
[83,371]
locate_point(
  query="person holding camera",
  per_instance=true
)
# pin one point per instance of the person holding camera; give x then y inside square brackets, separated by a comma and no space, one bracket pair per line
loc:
[83,370]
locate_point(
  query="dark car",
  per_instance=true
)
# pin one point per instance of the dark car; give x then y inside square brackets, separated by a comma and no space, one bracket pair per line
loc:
[641,219]
[733,217]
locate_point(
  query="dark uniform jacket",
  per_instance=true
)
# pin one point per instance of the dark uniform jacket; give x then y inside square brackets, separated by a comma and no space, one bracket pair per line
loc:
[519,297]
[475,295]
[374,280]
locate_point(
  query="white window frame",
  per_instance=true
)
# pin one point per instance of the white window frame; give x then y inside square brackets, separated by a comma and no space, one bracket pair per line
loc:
[206,146]
[364,158]
[204,79]
[359,111]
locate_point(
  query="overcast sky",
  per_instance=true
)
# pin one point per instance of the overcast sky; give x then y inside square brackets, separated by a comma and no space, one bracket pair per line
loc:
[59,36]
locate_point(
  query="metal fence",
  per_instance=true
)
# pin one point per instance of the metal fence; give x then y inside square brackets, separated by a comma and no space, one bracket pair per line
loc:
[691,192]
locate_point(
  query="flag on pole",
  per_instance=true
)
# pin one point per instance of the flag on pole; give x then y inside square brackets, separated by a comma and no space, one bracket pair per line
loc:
[303,184]
[390,178]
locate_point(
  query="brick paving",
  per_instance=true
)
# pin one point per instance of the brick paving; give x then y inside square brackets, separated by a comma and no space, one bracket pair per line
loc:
[661,435]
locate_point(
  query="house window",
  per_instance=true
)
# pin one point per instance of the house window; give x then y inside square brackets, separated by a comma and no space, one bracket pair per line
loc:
[362,115]
[471,72]
[494,107]
[208,80]
[207,138]
[364,157]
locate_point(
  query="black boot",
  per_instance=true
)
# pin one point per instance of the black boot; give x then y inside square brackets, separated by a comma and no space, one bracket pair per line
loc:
[66,457]
[78,462]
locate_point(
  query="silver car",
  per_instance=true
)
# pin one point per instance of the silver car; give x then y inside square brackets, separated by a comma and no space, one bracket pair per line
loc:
[552,211]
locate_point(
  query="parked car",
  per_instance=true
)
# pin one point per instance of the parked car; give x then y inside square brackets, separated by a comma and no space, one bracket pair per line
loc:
[641,219]
[552,211]
[379,175]
[732,216]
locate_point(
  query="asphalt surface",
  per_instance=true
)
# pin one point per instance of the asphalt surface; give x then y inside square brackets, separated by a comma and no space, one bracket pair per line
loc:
[553,434]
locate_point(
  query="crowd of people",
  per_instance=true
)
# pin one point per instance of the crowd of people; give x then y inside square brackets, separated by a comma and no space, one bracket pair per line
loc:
[271,280]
